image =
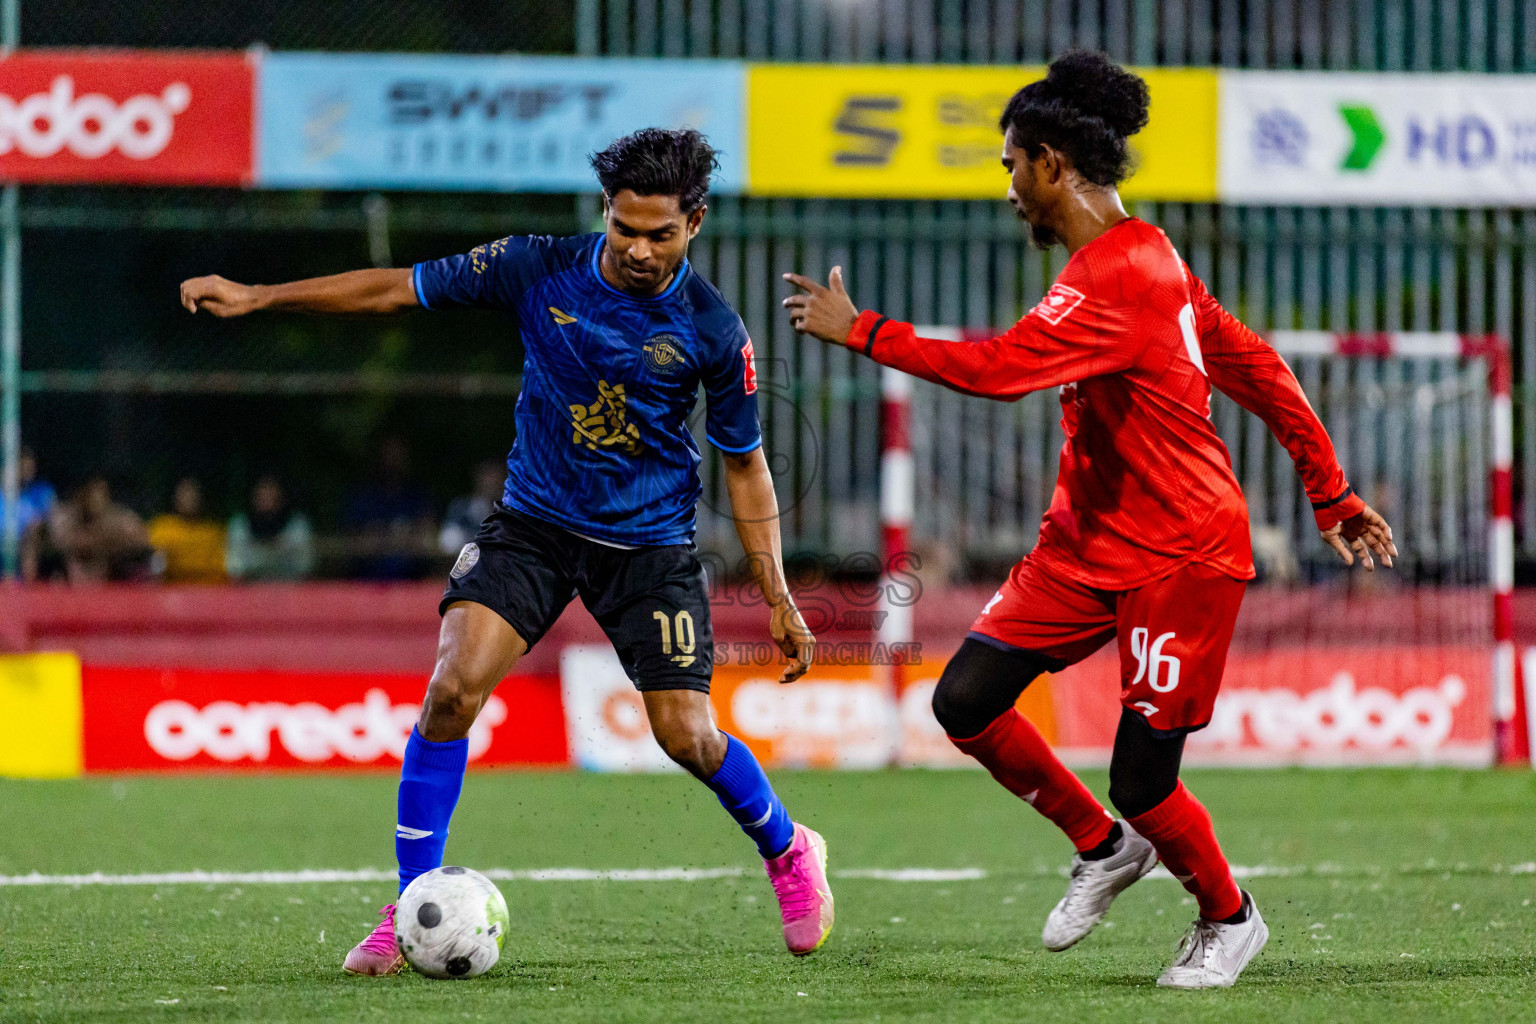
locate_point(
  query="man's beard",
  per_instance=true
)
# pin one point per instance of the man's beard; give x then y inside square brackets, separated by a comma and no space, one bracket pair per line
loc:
[1042,237]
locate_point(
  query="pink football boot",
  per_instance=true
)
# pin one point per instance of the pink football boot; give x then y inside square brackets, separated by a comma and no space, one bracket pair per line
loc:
[379,953]
[799,877]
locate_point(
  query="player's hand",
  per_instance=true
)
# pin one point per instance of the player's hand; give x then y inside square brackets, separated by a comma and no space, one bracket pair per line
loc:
[794,639]
[824,312]
[1362,534]
[218,295]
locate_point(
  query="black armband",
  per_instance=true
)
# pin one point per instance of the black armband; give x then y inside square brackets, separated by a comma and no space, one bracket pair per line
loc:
[1318,506]
[869,339]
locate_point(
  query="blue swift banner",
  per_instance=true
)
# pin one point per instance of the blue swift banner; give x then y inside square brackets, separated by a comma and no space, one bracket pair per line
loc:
[479,123]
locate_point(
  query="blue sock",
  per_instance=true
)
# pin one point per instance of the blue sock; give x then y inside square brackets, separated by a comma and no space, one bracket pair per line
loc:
[743,790]
[430,780]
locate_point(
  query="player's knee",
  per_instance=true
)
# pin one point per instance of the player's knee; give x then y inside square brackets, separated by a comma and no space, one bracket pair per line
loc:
[980,683]
[450,707]
[691,741]
[950,707]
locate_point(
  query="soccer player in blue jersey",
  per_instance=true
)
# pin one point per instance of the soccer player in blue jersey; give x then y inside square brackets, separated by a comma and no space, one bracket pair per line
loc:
[618,332]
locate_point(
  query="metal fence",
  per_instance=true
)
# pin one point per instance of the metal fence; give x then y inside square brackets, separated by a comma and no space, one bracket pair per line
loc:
[1420,451]
[984,469]
[1385,35]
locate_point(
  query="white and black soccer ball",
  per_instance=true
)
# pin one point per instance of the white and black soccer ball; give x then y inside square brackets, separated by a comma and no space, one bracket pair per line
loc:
[451,922]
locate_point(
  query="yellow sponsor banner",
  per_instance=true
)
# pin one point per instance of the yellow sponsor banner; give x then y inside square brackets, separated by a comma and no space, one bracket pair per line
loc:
[40,716]
[930,132]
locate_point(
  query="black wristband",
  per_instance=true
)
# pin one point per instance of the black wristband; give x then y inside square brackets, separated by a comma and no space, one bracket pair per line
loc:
[1318,506]
[869,339]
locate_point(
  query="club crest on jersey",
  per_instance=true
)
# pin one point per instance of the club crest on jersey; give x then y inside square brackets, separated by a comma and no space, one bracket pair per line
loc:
[467,560]
[664,355]
[604,424]
[1057,304]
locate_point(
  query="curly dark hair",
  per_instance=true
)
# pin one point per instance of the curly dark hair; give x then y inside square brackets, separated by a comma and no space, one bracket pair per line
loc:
[659,162]
[1086,106]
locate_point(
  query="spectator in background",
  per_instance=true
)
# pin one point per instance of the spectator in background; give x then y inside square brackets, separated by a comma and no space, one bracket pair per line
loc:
[269,540]
[191,544]
[97,538]
[34,504]
[390,520]
[467,511]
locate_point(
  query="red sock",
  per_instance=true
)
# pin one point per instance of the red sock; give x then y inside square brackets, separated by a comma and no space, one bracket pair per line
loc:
[1180,828]
[1017,755]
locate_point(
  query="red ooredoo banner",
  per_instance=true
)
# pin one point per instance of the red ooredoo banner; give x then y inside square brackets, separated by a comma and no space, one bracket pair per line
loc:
[146,118]
[138,718]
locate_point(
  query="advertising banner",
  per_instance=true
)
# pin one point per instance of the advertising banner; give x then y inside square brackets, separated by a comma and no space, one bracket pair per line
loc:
[134,117]
[932,132]
[607,728]
[1321,705]
[185,718]
[488,123]
[39,716]
[1380,140]
[837,717]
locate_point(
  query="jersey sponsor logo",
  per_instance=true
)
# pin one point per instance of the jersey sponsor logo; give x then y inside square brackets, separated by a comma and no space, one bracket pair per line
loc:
[468,559]
[604,424]
[664,355]
[749,379]
[1058,304]
[561,316]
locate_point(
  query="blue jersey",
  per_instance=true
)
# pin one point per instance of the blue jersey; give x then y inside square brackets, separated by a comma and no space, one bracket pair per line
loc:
[609,379]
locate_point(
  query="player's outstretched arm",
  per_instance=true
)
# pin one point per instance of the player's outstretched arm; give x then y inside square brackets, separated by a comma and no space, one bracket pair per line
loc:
[1029,356]
[756,511]
[358,292]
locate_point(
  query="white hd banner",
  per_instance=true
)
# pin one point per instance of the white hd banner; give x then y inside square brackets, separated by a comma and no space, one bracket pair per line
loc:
[1379,140]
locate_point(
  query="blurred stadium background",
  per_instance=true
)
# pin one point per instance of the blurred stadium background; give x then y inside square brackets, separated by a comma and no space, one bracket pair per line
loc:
[851,137]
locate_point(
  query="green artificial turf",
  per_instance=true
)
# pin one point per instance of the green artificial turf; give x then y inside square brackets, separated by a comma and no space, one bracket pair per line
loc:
[1410,897]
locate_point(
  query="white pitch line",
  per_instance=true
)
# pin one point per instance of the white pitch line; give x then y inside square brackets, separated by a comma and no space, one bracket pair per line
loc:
[914,874]
[679,874]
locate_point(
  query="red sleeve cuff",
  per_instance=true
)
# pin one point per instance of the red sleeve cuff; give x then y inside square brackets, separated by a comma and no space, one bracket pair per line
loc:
[1335,512]
[860,334]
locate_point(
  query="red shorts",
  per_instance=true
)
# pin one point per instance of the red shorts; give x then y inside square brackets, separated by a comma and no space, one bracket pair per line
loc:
[1173,632]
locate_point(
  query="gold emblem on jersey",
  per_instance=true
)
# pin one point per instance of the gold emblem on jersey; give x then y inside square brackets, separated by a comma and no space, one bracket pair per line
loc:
[664,355]
[603,424]
[561,316]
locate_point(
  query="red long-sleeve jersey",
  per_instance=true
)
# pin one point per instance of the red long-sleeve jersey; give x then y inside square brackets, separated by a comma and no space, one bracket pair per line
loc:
[1134,341]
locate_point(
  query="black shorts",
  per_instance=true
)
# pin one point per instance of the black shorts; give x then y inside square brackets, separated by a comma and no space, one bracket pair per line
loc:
[652,602]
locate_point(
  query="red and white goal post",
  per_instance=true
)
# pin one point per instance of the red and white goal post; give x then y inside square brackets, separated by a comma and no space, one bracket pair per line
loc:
[1514,726]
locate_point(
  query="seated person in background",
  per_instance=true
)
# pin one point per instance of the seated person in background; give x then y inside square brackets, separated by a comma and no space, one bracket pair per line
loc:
[390,521]
[97,538]
[34,504]
[192,544]
[467,511]
[269,540]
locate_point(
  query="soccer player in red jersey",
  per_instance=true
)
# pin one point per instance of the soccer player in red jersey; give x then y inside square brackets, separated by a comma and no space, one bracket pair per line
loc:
[1146,539]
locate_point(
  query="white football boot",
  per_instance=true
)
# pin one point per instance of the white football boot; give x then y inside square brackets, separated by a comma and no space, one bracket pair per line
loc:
[1213,954]
[1094,886]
